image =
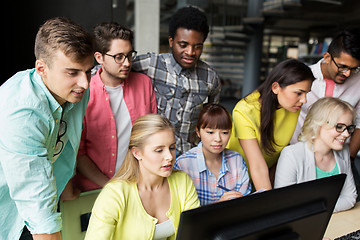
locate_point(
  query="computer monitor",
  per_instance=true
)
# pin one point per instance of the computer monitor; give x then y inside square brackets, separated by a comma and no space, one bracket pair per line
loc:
[300,211]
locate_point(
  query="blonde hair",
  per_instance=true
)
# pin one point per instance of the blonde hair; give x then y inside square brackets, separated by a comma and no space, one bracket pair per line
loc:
[143,128]
[324,112]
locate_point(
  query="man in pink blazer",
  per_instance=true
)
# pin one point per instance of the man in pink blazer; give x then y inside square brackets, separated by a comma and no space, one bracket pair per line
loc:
[117,98]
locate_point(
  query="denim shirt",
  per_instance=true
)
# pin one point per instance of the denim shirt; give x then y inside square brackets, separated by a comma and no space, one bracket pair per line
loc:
[31,180]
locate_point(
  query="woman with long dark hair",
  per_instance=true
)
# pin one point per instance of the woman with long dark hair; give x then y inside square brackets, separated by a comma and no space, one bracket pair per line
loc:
[264,121]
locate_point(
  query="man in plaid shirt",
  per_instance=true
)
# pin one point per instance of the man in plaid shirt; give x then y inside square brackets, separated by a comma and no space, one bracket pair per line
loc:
[182,82]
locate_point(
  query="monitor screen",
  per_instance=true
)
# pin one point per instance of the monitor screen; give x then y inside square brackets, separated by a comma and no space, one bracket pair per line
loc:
[300,211]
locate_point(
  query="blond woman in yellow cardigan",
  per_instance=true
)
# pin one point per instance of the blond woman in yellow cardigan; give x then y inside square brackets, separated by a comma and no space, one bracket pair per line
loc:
[145,198]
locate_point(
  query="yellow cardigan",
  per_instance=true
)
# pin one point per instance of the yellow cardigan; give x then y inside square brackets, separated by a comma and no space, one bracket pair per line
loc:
[119,214]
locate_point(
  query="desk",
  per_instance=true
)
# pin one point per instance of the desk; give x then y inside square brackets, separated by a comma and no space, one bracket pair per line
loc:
[71,212]
[342,223]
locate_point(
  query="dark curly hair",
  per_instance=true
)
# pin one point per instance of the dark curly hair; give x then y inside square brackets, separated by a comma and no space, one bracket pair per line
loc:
[190,18]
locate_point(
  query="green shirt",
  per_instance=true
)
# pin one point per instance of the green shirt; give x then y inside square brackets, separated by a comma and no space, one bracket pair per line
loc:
[322,174]
[31,178]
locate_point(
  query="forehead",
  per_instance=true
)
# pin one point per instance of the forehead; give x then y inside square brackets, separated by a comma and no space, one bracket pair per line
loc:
[61,61]
[161,138]
[188,35]
[346,118]
[302,85]
[120,46]
[347,60]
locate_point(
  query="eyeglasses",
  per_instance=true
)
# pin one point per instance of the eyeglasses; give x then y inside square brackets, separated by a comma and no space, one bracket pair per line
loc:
[120,58]
[344,69]
[340,128]
[61,133]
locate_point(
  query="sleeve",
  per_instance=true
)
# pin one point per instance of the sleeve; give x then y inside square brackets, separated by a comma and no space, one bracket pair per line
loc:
[286,171]
[27,168]
[153,103]
[357,119]
[244,126]
[82,146]
[348,195]
[177,164]
[105,215]
[191,200]
[245,186]
[214,96]
[142,62]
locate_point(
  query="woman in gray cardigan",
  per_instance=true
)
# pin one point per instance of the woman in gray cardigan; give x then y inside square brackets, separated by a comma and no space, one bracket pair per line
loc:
[322,150]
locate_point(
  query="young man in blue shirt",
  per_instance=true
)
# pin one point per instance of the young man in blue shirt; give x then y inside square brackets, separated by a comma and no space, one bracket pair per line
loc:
[40,123]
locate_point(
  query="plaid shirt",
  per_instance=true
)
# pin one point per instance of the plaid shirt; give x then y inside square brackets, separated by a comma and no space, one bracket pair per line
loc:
[180,93]
[233,174]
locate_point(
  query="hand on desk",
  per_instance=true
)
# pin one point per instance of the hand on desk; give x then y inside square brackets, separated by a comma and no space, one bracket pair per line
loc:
[230,195]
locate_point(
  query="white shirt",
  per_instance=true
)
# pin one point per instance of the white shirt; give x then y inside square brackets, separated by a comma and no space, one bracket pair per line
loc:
[164,230]
[122,122]
[349,91]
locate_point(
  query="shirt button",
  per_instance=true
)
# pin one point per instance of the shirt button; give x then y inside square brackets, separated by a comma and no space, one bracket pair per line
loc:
[106,99]
[112,136]
[110,171]
[56,120]
[113,155]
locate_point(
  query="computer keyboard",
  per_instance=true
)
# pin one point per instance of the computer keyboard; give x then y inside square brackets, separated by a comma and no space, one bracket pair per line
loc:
[350,236]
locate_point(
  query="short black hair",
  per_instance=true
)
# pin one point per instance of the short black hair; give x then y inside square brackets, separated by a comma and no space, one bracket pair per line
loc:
[348,41]
[191,18]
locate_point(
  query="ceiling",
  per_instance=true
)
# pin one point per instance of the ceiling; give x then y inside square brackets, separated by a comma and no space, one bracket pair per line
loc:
[313,17]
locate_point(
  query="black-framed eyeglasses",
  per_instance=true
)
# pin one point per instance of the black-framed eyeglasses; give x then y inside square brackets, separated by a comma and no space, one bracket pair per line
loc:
[344,69]
[120,58]
[341,127]
[61,133]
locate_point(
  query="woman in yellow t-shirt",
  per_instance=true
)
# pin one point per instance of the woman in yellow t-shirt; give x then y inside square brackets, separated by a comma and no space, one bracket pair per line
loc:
[265,120]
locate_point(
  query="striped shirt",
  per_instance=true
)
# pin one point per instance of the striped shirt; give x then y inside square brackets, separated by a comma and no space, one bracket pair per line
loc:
[180,93]
[233,174]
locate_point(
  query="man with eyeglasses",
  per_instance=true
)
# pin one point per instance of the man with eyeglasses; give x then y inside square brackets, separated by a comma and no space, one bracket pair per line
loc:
[117,98]
[40,126]
[183,83]
[338,75]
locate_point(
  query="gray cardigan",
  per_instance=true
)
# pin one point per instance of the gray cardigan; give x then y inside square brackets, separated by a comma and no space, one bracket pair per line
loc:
[296,164]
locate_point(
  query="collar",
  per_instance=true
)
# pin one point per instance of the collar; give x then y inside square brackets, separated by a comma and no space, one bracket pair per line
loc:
[170,60]
[54,105]
[340,156]
[202,165]
[98,83]
[173,63]
[316,69]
